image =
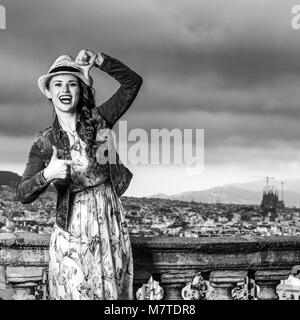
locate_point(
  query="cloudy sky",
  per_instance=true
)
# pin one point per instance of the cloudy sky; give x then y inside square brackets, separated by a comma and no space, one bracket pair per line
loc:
[229,67]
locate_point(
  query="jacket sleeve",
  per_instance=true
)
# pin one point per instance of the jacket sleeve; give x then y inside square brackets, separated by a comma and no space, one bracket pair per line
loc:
[33,182]
[112,109]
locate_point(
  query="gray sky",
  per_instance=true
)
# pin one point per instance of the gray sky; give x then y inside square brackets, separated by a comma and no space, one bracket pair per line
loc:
[230,67]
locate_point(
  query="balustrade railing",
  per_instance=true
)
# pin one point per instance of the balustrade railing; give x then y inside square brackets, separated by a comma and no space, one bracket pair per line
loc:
[166,268]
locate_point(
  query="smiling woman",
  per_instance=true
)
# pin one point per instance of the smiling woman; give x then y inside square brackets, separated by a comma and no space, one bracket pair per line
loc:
[90,249]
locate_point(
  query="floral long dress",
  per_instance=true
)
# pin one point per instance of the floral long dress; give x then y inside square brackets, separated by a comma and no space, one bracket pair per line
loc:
[93,259]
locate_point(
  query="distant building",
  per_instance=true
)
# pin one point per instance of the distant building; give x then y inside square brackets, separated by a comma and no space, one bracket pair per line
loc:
[270,203]
[270,200]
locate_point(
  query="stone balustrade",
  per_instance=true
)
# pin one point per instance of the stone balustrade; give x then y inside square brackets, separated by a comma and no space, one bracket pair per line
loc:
[166,268]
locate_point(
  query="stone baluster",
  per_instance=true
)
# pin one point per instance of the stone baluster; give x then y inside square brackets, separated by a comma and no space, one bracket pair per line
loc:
[24,280]
[6,291]
[268,280]
[173,291]
[23,291]
[173,281]
[223,281]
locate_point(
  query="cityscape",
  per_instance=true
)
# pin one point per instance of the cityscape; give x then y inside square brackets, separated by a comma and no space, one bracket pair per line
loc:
[155,217]
[150,217]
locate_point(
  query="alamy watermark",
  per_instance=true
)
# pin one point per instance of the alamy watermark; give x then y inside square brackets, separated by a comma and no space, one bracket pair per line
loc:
[295,22]
[2,17]
[153,147]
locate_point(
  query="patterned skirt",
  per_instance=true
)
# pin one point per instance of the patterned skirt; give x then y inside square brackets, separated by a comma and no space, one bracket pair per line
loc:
[93,260]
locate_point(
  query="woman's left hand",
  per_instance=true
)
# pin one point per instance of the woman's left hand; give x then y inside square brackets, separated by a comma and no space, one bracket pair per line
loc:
[86,60]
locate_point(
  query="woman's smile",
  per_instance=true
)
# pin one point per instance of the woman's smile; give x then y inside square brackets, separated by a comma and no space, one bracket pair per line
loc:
[65,98]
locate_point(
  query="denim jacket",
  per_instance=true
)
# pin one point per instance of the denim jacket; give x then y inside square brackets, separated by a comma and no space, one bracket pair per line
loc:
[33,182]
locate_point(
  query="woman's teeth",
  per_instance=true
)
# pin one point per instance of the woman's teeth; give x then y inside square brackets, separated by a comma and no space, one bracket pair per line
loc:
[65,100]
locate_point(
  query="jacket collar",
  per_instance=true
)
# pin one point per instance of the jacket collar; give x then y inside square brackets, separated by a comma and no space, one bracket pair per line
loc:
[57,129]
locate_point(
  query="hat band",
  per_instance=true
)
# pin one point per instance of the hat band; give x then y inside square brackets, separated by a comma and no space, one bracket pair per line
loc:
[64,68]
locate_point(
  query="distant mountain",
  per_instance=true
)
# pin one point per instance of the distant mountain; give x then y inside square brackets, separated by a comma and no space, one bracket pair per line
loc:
[161,196]
[224,194]
[9,178]
[229,194]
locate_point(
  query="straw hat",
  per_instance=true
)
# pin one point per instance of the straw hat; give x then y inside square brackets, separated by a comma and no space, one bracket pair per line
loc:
[62,65]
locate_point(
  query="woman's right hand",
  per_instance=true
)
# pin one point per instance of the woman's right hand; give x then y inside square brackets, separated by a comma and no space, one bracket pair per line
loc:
[57,168]
[86,60]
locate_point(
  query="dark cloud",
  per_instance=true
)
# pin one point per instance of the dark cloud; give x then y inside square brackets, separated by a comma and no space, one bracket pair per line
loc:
[230,67]
[225,129]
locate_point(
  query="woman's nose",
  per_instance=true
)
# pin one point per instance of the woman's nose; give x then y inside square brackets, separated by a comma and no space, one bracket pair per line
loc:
[66,87]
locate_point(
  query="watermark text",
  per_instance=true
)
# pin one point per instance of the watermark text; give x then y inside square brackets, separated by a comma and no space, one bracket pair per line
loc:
[152,147]
[2,17]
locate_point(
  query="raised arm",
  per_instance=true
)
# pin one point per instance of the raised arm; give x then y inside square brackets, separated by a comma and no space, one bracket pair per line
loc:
[112,109]
[130,82]
[33,182]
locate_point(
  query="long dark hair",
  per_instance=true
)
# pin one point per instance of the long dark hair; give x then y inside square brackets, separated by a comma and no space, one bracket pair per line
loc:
[84,111]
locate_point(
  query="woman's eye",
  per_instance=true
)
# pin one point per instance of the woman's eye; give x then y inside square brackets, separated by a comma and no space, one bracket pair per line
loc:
[74,84]
[57,85]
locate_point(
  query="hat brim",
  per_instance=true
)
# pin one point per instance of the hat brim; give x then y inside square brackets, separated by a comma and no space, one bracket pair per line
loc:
[42,81]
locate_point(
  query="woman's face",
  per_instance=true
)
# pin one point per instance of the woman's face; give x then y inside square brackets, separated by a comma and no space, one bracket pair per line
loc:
[64,91]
